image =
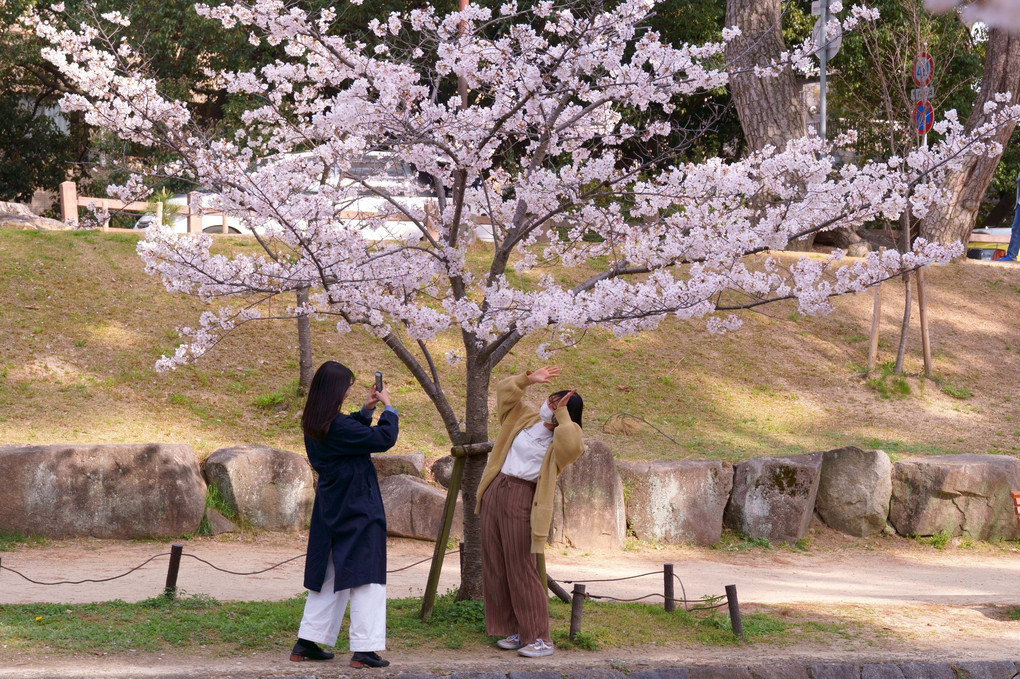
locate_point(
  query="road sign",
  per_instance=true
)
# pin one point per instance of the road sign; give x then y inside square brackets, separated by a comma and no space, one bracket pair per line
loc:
[834,42]
[923,117]
[816,7]
[924,68]
[921,93]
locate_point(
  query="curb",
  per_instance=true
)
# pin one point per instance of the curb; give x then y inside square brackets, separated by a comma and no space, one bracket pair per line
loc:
[996,669]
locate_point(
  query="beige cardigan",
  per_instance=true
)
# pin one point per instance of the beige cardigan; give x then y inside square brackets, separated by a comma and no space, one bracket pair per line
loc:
[566,447]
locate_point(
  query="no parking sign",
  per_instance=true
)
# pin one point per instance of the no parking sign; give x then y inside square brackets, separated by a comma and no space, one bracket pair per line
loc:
[924,116]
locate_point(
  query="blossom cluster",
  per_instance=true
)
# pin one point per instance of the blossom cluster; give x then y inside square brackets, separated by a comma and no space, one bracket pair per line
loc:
[560,148]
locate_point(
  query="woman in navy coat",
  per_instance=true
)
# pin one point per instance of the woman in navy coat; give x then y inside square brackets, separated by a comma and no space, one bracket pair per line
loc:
[346,557]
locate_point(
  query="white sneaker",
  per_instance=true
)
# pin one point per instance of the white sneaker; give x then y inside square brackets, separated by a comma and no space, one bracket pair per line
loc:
[511,643]
[537,649]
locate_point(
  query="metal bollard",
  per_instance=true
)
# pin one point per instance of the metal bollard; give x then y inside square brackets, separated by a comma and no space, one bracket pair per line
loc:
[170,591]
[735,623]
[667,586]
[576,610]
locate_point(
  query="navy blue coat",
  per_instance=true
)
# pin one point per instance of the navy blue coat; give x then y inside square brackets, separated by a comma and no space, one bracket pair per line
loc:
[348,517]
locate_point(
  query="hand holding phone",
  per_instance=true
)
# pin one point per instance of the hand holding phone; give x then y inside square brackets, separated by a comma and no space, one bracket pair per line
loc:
[378,381]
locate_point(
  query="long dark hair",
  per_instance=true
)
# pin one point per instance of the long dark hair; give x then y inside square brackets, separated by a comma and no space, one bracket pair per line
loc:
[325,397]
[575,406]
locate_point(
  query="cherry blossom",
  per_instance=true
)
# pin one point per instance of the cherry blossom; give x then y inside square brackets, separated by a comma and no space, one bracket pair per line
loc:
[565,148]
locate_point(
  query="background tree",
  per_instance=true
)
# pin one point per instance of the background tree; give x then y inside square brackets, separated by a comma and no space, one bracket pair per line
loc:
[559,158]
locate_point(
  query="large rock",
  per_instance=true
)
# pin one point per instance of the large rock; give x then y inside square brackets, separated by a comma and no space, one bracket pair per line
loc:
[774,497]
[269,489]
[414,509]
[20,216]
[958,494]
[588,507]
[677,502]
[389,464]
[122,491]
[854,490]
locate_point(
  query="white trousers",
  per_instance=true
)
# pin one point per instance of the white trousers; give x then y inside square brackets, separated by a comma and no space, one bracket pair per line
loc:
[324,611]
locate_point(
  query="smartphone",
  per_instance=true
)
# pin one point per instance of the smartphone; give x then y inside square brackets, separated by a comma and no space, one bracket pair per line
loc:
[378,381]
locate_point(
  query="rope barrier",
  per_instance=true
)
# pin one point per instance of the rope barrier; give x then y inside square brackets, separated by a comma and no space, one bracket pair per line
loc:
[196,558]
[81,582]
[700,604]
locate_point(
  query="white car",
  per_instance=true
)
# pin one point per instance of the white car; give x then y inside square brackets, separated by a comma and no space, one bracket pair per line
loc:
[384,172]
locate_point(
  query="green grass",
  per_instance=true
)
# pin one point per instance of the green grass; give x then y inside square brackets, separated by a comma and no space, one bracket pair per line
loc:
[190,623]
[938,541]
[85,326]
[10,542]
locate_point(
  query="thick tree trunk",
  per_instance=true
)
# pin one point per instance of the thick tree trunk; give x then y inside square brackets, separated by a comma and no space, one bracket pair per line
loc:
[306,364]
[770,109]
[955,220]
[476,420]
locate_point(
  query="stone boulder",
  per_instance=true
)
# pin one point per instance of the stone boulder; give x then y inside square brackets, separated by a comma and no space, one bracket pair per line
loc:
[588,507]
[414,509]
[269,489]
[678,501]
[19,216]
[123,491]
[961,494]
[854,490]
[389,464]
[774,497]
[442,469]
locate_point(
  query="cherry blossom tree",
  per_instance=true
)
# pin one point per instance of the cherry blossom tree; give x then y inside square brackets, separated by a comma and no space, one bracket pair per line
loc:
[555,134]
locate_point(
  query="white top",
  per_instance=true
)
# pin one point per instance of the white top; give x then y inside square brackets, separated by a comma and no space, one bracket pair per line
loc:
[524,459]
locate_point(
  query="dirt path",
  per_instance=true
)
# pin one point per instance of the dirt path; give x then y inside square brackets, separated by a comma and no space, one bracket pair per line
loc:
[916,602]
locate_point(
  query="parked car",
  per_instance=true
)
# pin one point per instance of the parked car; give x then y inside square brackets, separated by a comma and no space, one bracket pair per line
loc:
[382,172]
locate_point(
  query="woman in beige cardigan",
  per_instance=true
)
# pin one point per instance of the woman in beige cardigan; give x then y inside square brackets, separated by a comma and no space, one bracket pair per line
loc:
[515,499]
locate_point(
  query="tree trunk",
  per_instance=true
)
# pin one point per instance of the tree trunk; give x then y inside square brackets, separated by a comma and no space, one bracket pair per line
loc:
[306,363]
[770,109]
[476,419]
[954,221]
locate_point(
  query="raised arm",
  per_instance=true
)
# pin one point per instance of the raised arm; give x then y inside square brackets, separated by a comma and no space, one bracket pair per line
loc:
[510,390]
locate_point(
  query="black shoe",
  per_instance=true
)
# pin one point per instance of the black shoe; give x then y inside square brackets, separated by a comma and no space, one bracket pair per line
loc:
[308,650]
[367,659]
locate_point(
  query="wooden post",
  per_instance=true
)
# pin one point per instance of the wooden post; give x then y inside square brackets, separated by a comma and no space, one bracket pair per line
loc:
[557,589]
[69,202]
[194,218]
[923,310]
[576,610]
[669,602]
[428,601]
[876,315]
[159,212]
[901,350]
[170,590]
[735,622]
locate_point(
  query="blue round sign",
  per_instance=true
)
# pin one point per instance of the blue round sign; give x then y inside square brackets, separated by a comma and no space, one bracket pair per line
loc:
[924,116]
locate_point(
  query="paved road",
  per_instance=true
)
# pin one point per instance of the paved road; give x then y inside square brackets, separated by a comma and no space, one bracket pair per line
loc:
[858,576]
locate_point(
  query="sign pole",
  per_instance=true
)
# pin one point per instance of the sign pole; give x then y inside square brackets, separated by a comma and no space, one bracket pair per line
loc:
[822,62]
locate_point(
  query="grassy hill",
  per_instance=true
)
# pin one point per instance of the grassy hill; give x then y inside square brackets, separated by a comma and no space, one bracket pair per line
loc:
[82,326]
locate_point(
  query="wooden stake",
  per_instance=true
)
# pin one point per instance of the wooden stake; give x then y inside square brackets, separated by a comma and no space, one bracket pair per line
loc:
[170,590]
[576,610]
[428,601]
[876,315]
[905,325]
[667,587]
[734,606]
[923,310]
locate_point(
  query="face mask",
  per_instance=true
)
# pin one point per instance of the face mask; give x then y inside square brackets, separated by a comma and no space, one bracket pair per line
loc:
[545,413]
